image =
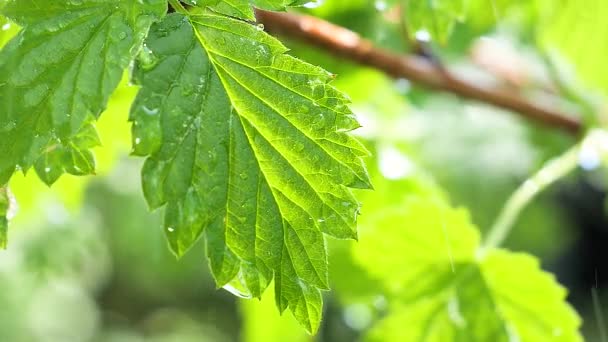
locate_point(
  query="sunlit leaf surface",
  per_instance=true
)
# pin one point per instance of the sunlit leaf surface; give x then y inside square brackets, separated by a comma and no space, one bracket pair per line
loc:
[248,147]
[442,289]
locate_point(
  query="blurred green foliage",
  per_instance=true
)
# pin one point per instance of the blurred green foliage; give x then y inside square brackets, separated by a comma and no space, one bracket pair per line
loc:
[88,262]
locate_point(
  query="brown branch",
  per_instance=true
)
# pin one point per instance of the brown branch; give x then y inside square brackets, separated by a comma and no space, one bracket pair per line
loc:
[349,45]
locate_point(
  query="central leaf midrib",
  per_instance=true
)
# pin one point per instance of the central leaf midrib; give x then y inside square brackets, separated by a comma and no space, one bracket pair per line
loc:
[256,68]
[269,105]
[216,65]
[314,189]
[314,140]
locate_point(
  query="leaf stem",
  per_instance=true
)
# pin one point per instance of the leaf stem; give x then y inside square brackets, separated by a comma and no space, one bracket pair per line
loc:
[550,172]
[178,7]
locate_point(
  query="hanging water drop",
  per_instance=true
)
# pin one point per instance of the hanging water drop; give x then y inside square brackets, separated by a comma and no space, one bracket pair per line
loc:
[147,59]
[237,292]
[150,111]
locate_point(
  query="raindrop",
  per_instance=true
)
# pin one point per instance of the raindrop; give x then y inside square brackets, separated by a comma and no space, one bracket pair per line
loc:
[147,59]
[220,40]
[319,120]
[236,292]
[170,229]
[187,90]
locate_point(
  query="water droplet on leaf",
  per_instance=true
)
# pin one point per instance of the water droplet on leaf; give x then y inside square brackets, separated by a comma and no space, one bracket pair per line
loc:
[150,111]
[147,59]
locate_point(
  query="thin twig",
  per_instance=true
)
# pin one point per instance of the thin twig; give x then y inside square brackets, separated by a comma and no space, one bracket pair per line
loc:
[349,45]
[552,171]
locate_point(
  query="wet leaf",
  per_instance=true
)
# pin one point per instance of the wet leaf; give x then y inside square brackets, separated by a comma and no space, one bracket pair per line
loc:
[442,290]
[56,77]
[244,8]
[248,147]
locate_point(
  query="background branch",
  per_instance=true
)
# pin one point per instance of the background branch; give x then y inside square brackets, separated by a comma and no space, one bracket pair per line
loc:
[349,45]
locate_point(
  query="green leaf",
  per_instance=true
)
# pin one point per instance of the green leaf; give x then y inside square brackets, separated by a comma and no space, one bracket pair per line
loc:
[4,208]
[244,8]
[56,77]
[577,30]
[441,290]
[437,17]
[249,147]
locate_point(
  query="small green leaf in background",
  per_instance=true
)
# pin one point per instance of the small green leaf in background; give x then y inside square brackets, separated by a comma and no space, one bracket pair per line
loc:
[578,32]
[437,17]
[56,77]
[248,147]
[440,289]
